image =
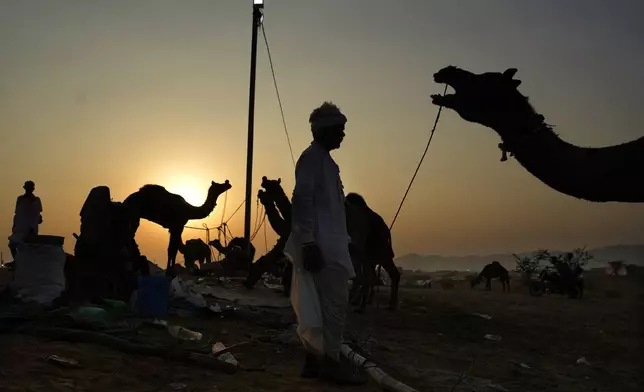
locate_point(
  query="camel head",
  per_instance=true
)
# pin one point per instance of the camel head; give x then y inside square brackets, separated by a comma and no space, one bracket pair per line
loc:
[272,190]
[217,189]
[490,99]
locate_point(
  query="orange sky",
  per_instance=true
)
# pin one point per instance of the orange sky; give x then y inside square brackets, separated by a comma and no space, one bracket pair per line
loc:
[99,93]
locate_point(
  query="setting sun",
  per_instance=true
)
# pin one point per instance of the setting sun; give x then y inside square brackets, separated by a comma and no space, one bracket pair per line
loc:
[191,188]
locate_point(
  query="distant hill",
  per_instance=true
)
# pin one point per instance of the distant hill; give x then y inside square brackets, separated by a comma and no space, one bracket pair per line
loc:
[631,254]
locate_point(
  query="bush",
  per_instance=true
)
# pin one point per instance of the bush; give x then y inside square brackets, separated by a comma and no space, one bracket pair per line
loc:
[527,266]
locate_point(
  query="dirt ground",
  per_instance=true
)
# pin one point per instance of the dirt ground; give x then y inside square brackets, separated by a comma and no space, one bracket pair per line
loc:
[433,343]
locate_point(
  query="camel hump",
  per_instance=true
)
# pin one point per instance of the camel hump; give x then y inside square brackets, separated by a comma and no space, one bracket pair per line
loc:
[153,188]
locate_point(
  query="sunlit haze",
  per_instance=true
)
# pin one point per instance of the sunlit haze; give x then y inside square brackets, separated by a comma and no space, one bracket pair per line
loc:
[156,91]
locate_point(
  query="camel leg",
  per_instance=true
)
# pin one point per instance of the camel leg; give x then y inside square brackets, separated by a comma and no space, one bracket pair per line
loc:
[173,248]
[394,275]
[372,293]
[368,282]
[358,281]
[488,283]
[355,289]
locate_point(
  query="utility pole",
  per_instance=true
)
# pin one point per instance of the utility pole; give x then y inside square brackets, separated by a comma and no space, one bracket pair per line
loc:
[258,5]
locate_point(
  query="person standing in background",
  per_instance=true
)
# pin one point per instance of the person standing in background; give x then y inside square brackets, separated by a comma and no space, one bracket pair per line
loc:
[27,217]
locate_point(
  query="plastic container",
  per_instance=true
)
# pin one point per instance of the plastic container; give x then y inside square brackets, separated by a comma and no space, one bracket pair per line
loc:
[152,296]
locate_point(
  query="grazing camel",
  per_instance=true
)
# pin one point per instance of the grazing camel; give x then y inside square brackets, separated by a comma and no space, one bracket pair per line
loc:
[493,270]
[612,173]
[171,211]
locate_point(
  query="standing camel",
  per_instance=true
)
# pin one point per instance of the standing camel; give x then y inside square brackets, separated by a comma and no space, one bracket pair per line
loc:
[371,246]
[171,211]
[493,270]
[195,250]
[491,99]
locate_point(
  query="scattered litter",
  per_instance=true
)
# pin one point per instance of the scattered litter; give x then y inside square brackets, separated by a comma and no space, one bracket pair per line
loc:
[583,361]
[497,387]
[197,300]
[525,366]
[482,315]
[177,386]
[184,333]
[215,308]
[492,337]
[159,323]
[226,357]
[182,289]
[273,286]
[65,362]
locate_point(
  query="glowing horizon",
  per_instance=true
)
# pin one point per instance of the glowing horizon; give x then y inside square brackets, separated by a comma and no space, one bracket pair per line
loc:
[155,92]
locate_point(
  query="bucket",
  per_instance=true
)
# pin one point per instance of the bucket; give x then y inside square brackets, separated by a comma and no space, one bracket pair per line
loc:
[152,296]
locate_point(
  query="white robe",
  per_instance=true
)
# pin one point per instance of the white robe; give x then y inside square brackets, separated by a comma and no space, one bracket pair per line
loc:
[318,208]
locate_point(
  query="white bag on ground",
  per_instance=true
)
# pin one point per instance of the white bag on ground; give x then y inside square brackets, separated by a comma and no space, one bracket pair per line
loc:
[306,304]
[40,272]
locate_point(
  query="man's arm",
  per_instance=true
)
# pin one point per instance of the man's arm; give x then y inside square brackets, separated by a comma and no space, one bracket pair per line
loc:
[39,210]
[307,176]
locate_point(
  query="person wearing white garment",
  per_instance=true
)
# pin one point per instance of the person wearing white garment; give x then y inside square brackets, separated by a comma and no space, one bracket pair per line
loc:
[319,224]
[28,215]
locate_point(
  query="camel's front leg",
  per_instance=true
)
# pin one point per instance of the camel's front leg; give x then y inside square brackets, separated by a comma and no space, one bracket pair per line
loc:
[394,276]
[173,249]
[488,284]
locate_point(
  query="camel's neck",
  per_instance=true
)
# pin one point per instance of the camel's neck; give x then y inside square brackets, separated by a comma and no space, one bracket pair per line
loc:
[280,223]
[206,208]
[595,174]
[284,206]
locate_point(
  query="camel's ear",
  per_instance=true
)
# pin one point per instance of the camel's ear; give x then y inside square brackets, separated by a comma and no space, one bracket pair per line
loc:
[212,183]
[264,178]
[510,72]
[279,180]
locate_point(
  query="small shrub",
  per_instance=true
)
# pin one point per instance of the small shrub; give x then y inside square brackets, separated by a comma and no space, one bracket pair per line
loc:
[527,266]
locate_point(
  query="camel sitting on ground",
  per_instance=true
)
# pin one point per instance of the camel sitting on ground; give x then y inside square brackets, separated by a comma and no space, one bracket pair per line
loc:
[171,211]
[491,99]
[493,270]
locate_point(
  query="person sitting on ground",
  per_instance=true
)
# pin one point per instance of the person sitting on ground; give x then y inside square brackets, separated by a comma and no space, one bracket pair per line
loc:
[27,217]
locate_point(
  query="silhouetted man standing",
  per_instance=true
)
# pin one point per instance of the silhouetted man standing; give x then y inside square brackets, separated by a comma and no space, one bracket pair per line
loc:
[27,217]
[319,228]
